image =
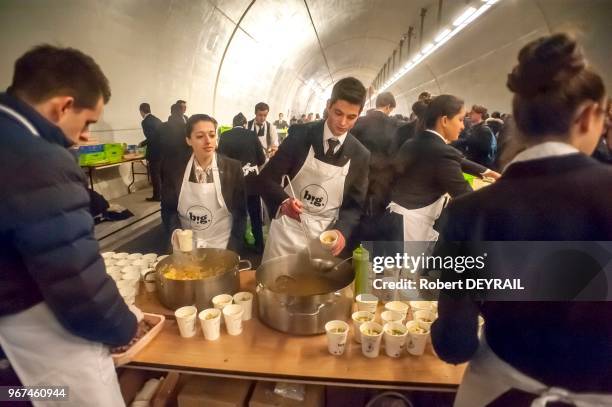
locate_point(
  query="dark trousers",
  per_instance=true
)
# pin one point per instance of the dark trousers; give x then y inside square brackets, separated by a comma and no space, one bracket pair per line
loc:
[155,172]
[254,208]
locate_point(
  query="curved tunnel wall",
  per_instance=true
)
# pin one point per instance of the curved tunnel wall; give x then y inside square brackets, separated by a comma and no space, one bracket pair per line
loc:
[160,51]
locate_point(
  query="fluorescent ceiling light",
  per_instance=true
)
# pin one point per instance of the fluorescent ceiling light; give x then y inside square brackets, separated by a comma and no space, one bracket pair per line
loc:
[427,48]
[477,14]
[443,34]
[466,14]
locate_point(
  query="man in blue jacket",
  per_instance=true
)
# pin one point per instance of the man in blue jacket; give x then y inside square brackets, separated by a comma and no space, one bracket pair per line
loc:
[59,311]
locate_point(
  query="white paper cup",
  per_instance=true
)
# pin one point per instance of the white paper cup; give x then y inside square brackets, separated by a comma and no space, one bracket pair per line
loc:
[120,256]
[245,299]
[232,315]
[186,318]
[367,302]
[328,239]
[133,282]
[425,318]
[109,262]
[398,306]
[395,342]
[337,333]
[420,305]
[390,316]
[107,255]
[359,318]
[150,257]
[417,340]
[124,283]
[185,240]
[128,294]
[130,272]
[122,263]
[141,264]
[134,256]
[371,336]
[210,321]
[113,270]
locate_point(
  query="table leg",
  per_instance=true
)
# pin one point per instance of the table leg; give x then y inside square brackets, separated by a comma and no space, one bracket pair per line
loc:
[90,170]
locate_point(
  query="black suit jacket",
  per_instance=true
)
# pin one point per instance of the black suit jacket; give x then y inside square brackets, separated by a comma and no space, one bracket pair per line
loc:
[149,128]
[242,145]
[557,198]
[425,169]
[291,156]
[232,188]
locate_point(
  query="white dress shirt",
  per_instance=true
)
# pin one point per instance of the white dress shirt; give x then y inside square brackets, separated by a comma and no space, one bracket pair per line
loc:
[262,139]
[327,134]
[544,150]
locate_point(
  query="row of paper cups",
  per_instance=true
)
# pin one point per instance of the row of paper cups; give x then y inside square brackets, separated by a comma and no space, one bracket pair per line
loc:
[396,335]
[234,309]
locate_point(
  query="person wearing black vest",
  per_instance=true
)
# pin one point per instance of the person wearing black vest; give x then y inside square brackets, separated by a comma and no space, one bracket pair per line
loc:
[242,145]
[149,125]
[550,191]
[266,133]
[328,170]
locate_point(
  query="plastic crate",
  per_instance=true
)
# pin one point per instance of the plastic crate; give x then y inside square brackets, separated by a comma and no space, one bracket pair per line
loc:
[92,158]
[223,129]
[95,148]
[114,152]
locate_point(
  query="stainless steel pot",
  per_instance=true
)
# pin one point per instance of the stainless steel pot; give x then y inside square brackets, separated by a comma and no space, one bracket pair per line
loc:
[174,294]
[303,314]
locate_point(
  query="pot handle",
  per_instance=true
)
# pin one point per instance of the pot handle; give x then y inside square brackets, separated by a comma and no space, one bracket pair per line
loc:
[147,274]
[244,261]
[306,313]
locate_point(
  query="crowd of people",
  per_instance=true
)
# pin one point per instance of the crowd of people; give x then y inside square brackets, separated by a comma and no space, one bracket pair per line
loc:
[371,177]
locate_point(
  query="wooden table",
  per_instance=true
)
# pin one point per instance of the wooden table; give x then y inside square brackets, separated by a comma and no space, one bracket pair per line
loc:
[131,160]
[265,354]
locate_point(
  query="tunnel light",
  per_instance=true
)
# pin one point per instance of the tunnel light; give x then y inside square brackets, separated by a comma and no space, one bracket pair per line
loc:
[466,18]
[463,17]
[427,48]
[442,35]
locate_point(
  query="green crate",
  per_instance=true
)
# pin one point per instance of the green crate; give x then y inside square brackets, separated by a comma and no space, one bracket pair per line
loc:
[223,129]
[469,178]
[92,158]
[114,152]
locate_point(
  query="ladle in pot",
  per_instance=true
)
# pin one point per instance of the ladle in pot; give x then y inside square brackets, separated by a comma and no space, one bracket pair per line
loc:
[317,263]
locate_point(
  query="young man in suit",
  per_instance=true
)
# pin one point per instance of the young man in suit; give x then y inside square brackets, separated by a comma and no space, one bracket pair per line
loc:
[242,145]
[149,125]
[266,133]
[328,168]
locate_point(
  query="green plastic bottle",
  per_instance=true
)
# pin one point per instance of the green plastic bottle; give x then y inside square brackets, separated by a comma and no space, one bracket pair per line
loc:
[361,265]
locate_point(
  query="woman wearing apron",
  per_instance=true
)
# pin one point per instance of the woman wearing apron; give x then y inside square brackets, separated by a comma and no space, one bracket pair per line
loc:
[207,195]
[533,353]
[427,171]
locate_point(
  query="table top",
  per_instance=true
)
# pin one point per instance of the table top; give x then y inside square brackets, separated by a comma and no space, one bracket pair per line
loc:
[124,160]
[261,352]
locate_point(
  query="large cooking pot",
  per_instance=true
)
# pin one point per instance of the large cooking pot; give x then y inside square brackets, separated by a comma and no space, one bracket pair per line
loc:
[174,294]
[298,312]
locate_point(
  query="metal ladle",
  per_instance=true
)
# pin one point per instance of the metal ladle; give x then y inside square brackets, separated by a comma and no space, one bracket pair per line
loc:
[317,263]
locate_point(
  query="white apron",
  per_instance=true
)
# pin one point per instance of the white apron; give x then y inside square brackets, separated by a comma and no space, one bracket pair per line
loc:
[202,209]
[418,223]
[84,366]
[487,377]
[320,187]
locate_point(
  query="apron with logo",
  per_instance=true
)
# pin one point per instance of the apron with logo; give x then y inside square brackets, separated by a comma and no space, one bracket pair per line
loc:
[202,209]
[487,377]
[42,352]
[320,187]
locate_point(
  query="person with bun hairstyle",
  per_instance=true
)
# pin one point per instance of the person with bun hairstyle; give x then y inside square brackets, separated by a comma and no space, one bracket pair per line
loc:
[427,171]
[551,191]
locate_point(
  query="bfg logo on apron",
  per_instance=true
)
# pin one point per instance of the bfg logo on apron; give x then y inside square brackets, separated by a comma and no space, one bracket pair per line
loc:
[314,197]
[200,217]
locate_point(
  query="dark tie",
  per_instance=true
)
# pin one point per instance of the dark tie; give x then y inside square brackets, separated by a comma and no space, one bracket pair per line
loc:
[332,142]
